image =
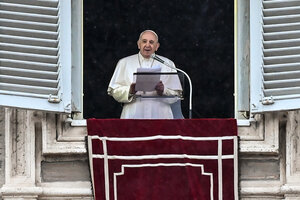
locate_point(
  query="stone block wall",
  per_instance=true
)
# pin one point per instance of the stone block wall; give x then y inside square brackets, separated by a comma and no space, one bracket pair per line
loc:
[2,148]
[46,157]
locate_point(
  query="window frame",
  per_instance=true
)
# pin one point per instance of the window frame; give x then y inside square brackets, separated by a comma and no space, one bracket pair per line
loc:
[250,76]
[70,66]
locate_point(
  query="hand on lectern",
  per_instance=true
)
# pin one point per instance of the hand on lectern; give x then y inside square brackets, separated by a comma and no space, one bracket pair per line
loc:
[132,89]
[159,88]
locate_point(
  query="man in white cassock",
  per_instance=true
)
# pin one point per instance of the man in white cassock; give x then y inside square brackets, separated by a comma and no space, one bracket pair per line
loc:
[122,86]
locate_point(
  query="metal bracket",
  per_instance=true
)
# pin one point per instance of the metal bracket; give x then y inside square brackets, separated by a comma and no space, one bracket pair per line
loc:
[268,100]
[53,99]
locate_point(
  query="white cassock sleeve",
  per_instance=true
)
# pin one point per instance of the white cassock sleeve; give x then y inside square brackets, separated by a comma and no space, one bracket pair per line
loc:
[120,83]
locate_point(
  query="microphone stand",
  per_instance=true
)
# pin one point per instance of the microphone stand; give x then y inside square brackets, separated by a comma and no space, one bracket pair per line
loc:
[155,57]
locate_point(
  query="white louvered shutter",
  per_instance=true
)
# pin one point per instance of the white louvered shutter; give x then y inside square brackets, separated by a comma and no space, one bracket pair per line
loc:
[35,54]
[275,55]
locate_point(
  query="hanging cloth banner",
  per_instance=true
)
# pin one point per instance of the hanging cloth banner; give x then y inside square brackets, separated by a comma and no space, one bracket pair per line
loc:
[191,159]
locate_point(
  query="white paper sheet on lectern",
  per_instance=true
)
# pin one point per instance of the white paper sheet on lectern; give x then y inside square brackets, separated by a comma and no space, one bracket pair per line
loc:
[147,82]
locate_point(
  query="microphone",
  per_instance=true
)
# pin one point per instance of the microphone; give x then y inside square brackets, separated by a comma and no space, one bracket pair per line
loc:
[155,57]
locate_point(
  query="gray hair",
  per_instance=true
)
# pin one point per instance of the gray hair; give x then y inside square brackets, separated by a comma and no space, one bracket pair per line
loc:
[142,33]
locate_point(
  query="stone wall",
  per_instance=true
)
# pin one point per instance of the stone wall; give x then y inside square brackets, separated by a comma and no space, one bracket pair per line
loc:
[269,157]
[2,148]
[46,157]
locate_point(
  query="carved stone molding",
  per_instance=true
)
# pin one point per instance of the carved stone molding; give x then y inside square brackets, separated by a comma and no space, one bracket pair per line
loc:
[262,136]
[293,148]
[57,190]
[253,132]
[2,146]
[66,190]
[269,190]
[59,137]
[19,154]
[25,130]
[255,189]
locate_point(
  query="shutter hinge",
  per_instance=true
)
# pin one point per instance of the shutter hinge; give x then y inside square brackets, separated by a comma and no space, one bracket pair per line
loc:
[268,100]
[53,99]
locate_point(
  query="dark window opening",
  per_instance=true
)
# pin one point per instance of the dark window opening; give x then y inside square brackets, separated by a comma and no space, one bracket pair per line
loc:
[198,35]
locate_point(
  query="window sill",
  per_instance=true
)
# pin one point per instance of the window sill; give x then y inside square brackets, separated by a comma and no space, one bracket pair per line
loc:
[78,123]
[240,122]
[244,122]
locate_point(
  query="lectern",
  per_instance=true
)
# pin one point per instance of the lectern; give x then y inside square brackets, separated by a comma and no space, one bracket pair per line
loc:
[145,87]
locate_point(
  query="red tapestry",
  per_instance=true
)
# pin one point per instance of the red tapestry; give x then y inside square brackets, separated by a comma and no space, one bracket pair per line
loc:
[189,159]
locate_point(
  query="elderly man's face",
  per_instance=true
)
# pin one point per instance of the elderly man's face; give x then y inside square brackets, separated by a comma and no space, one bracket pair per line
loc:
[148,44]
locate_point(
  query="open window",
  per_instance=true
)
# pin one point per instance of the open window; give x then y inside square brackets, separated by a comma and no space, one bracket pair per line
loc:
[41,54]
[271,79]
